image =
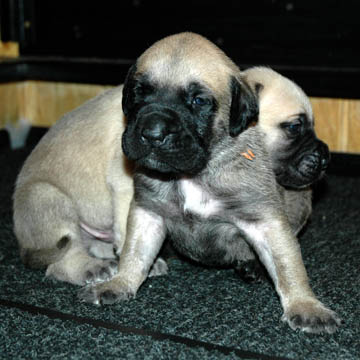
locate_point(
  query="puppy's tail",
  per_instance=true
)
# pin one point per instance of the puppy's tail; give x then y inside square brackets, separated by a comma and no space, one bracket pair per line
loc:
[40,258]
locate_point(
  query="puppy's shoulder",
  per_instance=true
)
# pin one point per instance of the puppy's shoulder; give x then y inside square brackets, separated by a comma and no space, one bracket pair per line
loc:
[99,116]
[91,131]
[103,107]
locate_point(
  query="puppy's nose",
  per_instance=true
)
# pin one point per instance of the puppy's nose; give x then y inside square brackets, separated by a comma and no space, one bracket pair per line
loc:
[325,156]
[325,163]
[156,129]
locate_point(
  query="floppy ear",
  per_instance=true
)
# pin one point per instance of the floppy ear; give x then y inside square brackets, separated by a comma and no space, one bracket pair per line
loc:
[244,107]
[128,90]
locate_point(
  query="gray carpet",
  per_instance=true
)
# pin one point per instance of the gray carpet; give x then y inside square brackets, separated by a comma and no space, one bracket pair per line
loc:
[194,312]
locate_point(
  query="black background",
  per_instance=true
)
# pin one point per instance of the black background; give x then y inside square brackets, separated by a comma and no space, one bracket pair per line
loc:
[314,42]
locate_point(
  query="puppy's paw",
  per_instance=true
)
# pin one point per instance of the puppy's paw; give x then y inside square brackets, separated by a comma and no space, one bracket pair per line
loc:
[251,271]
[108,292]
[100,272]
[159,268]
[311,316]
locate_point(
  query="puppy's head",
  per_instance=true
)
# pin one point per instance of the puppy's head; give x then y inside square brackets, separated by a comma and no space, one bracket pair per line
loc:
[299,157]
[179,98]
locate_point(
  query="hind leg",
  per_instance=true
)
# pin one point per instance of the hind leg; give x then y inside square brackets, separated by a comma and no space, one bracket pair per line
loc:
[43,215]
[79,268]
[48,232]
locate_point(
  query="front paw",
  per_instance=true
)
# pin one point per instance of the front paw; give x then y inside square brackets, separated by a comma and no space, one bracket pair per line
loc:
[109,292]
[99,272]
[311,316]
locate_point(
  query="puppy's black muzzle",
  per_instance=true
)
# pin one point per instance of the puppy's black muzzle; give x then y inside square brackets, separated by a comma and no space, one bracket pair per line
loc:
[161,138]
[305,166]
[314,163]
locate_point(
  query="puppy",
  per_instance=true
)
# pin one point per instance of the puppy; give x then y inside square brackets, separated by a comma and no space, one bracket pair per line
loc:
[73,194]
[202,179]
[299,158]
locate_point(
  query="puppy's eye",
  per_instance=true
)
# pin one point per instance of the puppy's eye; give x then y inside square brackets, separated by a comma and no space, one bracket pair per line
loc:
[293,128]
[145,89]
[200,101]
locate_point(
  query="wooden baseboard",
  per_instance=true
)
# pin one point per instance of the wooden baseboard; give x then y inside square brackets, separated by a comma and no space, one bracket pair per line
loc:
[9,49]
[41,103]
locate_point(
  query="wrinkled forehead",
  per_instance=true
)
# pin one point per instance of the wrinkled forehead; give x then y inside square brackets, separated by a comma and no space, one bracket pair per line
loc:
[285,100]
[171,66]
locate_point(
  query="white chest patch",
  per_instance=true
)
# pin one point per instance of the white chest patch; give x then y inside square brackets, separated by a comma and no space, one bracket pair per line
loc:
[197,200]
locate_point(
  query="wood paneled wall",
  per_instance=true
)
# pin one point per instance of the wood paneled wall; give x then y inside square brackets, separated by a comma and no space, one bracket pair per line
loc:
[41,103]
[337,121]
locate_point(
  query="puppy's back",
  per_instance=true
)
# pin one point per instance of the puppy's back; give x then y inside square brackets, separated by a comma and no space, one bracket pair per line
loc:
[83,136]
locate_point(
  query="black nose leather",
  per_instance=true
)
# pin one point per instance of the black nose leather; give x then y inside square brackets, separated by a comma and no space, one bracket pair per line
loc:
[156,129]
[325,163]
[325,156]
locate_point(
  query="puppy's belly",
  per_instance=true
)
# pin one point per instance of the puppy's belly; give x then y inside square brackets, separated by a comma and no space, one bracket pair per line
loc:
[209,241]
[105,235]
[95,216]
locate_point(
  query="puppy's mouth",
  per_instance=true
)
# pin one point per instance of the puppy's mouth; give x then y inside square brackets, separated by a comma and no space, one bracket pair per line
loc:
[164,164]
[308,172]
[312,165]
